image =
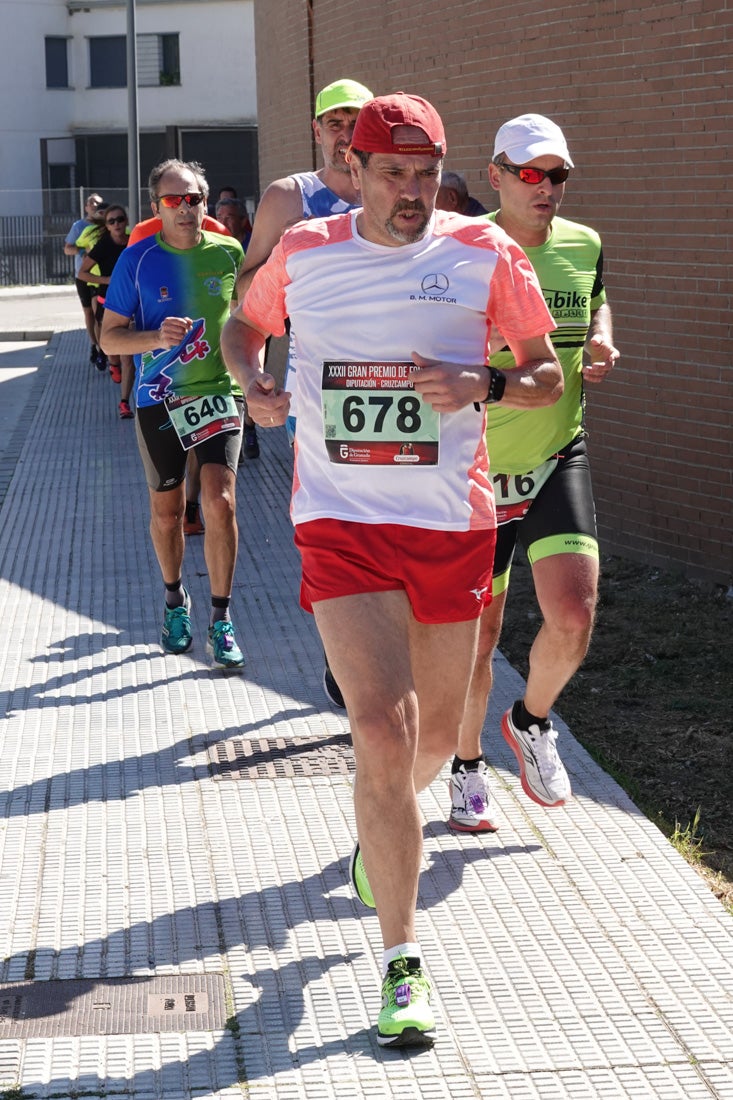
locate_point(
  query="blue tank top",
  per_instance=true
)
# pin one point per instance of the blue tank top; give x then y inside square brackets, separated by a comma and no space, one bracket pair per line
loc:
[318,200]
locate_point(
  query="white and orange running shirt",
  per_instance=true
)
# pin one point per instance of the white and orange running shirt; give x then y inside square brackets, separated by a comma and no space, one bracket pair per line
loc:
[367,448]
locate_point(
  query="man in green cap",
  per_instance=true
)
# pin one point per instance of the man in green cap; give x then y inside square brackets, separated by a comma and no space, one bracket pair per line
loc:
[310,195]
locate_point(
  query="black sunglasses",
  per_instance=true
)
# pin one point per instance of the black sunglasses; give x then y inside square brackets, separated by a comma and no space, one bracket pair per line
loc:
[535,175]
[116,221]
[172,202]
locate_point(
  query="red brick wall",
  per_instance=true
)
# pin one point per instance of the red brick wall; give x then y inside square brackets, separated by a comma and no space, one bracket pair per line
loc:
[644,96]
[284,94]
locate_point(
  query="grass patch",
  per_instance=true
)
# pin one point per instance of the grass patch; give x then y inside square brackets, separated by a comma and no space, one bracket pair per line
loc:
[652,701]
[688,841]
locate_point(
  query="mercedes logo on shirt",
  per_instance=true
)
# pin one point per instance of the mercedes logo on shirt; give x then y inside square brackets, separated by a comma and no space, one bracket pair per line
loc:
[435,284]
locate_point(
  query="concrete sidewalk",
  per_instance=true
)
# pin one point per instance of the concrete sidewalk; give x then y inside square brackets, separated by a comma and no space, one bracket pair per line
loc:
[37,312]
[175,914]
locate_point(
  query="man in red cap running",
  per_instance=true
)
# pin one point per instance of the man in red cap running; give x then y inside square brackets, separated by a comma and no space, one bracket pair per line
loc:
[390,306]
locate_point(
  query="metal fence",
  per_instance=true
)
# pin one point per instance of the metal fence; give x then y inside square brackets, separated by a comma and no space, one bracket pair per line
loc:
[32,250]
[33,227]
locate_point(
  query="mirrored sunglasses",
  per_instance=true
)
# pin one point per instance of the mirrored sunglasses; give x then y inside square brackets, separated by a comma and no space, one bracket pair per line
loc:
[537,175]
[172,202]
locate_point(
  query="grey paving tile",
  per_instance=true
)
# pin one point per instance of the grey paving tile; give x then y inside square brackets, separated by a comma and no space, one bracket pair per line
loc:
[572,954]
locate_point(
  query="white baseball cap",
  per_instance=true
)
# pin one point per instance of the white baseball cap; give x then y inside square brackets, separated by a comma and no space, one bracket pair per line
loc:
[529,136]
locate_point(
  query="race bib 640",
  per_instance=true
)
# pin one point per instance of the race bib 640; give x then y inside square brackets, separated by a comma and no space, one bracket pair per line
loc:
[198,418]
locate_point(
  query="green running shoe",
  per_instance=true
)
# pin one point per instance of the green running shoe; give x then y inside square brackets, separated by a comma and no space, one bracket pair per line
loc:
[406,1019]
[223,645]
[359,879]
[177,636]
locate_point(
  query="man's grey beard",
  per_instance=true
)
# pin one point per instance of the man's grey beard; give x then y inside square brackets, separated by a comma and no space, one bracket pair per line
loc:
[414,234]
[339,165]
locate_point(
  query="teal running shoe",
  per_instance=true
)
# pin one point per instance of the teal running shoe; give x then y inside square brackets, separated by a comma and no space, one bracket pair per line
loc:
[406,1019]
[177,636]
[359,879]
[223,645]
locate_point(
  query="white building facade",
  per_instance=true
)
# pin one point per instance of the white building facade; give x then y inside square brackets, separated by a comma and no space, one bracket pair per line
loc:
[63,84]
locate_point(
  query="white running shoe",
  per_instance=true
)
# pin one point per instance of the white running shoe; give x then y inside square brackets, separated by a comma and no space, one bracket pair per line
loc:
[472,807]
[541,770]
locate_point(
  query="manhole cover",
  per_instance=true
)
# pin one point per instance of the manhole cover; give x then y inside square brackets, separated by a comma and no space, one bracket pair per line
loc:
[281,758]
[120,1006]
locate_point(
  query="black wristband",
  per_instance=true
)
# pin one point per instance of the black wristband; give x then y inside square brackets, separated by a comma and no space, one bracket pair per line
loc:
[497,382]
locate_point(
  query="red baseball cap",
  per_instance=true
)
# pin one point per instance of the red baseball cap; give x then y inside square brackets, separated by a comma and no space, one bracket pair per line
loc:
[378,118]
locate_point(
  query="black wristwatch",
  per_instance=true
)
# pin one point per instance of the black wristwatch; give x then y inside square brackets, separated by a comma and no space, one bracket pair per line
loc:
[497,382]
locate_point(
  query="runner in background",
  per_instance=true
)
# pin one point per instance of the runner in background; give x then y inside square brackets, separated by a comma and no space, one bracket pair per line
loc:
[85,242]
[329,190]
[93,207]
[541,475]
[232,213]
[177,288]
[453,195]
[102,259]
[192,522]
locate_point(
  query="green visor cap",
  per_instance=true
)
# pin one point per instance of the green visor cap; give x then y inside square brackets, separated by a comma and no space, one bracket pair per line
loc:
[342,93]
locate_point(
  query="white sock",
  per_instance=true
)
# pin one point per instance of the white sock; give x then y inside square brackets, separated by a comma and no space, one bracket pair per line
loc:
[409,950]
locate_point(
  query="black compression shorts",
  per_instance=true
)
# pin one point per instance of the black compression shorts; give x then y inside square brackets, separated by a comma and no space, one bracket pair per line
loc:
[86,292]
[163,456]
[559,519]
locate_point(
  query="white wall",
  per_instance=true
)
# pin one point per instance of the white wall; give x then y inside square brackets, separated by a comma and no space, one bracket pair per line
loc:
[216,42]
[29,110]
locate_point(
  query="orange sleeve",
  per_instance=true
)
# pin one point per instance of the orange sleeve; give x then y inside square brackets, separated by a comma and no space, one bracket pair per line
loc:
[153,225]
[214,226]
[264,302]
[516,302]
[143,230]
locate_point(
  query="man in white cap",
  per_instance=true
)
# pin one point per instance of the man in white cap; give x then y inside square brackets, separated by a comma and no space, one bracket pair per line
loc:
[541,476]
[392,503]
[310,195]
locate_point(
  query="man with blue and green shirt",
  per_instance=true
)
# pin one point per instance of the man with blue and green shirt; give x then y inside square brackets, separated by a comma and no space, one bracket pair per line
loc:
[176,288]
[540,473]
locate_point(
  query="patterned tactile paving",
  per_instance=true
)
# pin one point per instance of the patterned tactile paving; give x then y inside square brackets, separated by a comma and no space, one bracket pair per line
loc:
[164,822]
